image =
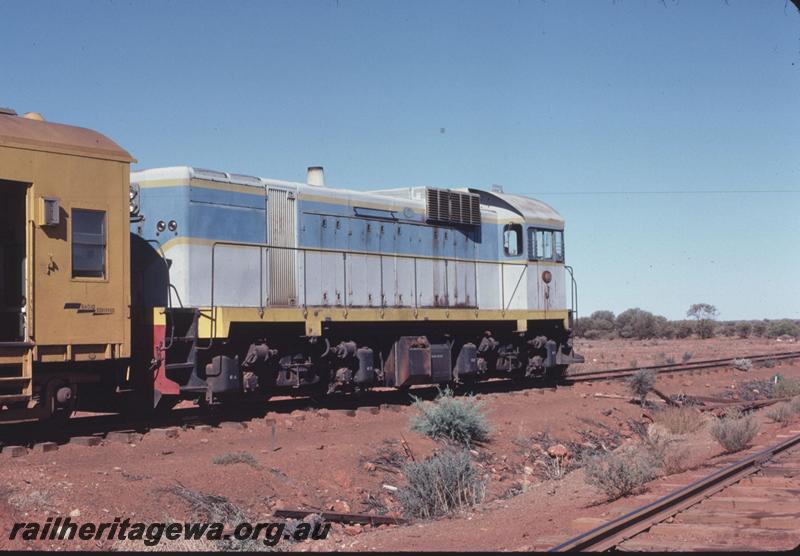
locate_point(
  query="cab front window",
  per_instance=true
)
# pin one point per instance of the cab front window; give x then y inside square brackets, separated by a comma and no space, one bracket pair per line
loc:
[545,245]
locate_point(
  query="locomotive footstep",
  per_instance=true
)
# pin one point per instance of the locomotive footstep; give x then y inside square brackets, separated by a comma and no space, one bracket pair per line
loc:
[122,436]
[86,440]
[45,447]
[14,451]
[232,425]
[169,432]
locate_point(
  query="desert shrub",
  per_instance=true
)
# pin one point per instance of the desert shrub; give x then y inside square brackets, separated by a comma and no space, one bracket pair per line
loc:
[687,355]
[664,328]
[783,387]
[782,327]
[636,323]
[684,329]
[744,329]
[759,328]
[679,420]
[662,452]
[759,389]
[742,364]
[780,413]
[386,457]
[440,485]
[599,324]
[770,363]
[618,474]
[236,457]
[706,328]
[582,324]
[676,459]
[594,334]
[554,468]
[734,432]
[209,508]
[704,314]
[641,382]
[459,419]
[794,404]
[735,413]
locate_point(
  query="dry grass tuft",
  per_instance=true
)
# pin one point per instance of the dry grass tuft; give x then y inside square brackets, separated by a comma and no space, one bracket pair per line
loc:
[680,420]
[780,413]
[442,484]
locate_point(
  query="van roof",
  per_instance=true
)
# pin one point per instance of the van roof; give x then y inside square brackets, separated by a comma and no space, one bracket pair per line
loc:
[24,133]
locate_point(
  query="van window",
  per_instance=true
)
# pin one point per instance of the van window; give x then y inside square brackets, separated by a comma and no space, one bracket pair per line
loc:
[512,239]
[88,243]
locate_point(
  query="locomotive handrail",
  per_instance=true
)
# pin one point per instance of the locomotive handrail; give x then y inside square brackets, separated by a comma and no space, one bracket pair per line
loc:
[170,288]
[573,292]
[305,250]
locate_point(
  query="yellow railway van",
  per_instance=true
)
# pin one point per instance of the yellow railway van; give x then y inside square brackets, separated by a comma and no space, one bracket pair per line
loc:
[64,264]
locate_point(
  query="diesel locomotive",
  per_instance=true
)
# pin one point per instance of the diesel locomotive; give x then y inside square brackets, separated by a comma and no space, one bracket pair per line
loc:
[130,290]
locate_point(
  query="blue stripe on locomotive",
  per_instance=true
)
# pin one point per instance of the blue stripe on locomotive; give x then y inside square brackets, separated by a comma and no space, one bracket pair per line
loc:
[212,214]
[203,213]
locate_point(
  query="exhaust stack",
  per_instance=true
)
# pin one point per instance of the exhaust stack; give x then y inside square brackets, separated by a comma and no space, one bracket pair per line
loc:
[315,176]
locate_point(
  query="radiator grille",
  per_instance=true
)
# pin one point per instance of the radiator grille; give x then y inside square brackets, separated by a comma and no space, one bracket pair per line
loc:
[453,207]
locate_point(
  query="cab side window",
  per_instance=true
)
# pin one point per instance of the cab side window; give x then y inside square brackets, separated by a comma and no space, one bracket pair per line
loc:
[88,243]
[512,240]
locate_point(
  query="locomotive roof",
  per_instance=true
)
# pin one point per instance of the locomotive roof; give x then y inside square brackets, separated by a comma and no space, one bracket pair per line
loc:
[532,210]
[24,133]
[514,208]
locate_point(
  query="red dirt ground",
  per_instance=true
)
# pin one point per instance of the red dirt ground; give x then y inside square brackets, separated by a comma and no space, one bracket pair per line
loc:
[323,456]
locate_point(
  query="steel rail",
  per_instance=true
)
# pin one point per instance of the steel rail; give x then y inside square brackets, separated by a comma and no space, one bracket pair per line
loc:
[624,527]
[674,368]
[722,360]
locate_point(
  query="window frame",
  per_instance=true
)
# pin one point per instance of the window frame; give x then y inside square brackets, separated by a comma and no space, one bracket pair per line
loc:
[80,275]
[533,244]
[517,228]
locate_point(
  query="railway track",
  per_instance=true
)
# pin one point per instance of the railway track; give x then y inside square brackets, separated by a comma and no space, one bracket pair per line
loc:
[29,433]
[613,374]
[746,505]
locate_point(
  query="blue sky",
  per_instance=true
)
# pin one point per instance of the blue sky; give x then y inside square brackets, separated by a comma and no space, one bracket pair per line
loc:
[565,101]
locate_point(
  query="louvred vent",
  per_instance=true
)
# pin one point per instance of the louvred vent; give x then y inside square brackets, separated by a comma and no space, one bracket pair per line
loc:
[453,207]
